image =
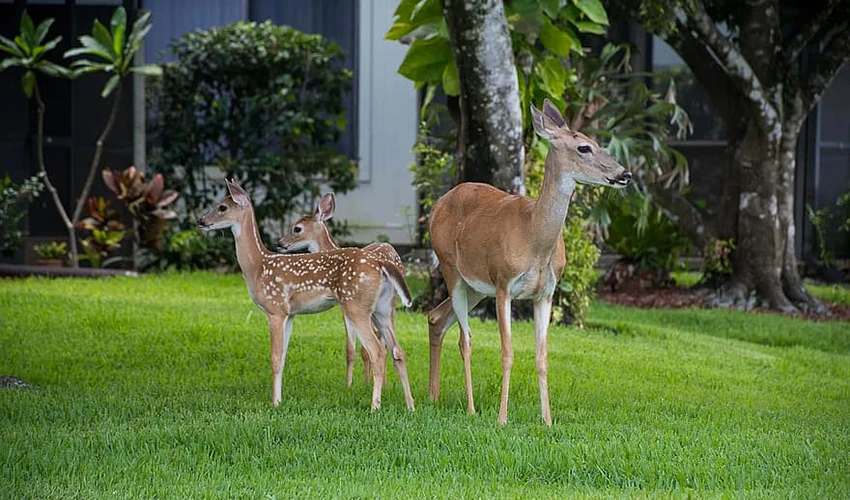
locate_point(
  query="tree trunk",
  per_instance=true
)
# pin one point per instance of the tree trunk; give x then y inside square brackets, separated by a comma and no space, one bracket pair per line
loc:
[761,222]
[490,130]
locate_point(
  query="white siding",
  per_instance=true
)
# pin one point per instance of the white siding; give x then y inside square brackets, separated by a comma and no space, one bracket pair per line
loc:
[387,131]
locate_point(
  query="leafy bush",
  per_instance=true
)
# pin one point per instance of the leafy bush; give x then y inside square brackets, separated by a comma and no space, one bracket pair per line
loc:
[576,288]
[263,103]
[13,202]
[147,201]
[716,261]
[189,249]
[53,250]
[106,232]
[645,237]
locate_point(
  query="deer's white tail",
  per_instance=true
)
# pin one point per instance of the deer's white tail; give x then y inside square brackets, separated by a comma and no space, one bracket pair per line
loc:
[397,279]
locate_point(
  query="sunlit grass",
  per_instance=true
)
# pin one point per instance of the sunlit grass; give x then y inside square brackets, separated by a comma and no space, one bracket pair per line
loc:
[159,387]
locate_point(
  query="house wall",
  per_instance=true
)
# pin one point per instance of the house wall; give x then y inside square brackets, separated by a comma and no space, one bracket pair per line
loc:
[385,202]
[382,107]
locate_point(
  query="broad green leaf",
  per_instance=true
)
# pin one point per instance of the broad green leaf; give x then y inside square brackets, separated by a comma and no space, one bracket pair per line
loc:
[28,82]
[553,76]
[147,69]
[593,9]
[8,63]
[524,16]
[101,35]
[52,43]
[551,7]
[398,30]
[119,19]
[54,70]
[110,86]
[118,40]
[425,61]
[426,12]
[92,47]
[10,47]
[41,31]
[555,40]
[24,46]
[28,30]
[404,11]
[590,27]
[451,84]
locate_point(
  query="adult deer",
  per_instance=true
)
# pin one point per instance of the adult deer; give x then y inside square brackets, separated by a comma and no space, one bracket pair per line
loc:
[490,243]
[284,286]
[311,233]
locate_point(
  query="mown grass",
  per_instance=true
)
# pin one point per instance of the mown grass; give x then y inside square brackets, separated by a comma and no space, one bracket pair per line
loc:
[159,387]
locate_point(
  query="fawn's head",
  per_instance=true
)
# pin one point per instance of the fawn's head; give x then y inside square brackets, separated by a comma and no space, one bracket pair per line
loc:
[310,229]
[228,212]
[577,155]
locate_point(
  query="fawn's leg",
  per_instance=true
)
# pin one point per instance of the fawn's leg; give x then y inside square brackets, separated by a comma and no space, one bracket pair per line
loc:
[360,322]
[280,330]
[384,319]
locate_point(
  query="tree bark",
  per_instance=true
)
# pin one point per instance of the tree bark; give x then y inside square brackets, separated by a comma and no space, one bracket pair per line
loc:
[490,130]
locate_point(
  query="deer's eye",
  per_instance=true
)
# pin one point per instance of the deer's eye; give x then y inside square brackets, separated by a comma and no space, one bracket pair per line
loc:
[584,149]
[222,208]
[297,229]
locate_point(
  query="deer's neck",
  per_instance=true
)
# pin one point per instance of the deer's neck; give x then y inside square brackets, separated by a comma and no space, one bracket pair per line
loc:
[324,242]
[550,210]
[250,250]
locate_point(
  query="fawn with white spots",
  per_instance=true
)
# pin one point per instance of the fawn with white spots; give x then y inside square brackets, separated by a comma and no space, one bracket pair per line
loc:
[284,286]
[311,233]
[491,243]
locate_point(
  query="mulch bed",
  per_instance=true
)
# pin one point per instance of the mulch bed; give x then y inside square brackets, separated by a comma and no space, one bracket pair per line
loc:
[674,297]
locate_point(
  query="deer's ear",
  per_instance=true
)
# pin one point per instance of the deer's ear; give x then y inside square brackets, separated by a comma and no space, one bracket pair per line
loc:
[239,195]
[551,113]
[326,208]
[537,122]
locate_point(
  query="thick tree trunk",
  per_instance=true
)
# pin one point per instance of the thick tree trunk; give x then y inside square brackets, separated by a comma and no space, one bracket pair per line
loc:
[762,224]
[490,130]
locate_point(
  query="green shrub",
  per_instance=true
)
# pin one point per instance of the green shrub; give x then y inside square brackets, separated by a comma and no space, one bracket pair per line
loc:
[189,249]
[264,103]
[642,234]
[51,250]
[13,202]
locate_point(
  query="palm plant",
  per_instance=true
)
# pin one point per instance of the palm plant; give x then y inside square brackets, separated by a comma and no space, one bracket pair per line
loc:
[108,51]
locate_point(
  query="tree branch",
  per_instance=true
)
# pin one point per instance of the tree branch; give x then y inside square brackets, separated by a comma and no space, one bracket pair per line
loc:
[98,151]
[793,47]
[688,217]
[733,61]
[835,53]
[708,72]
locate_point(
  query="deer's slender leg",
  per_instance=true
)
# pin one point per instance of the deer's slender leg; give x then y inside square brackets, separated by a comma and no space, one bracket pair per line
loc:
[503,314]
[367,367]
[384,319]
[542,311]
[460,304]
[280,330]
[360,322]
[349,355]
[439,320]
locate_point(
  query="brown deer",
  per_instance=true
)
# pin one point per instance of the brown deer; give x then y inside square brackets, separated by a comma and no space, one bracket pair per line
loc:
[284,286]
[311,233]
[491,243]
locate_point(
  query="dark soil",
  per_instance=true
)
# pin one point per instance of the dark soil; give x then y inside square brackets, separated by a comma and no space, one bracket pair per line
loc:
[633,294]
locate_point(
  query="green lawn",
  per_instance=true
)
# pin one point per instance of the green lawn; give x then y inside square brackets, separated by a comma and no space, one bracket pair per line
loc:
[159,387]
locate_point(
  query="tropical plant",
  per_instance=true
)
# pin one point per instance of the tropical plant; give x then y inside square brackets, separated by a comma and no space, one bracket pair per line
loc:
[147,201]
[13,201]
[112,51]
[264,103]
[53,250]
[542,32]
[189,249]
[106,232]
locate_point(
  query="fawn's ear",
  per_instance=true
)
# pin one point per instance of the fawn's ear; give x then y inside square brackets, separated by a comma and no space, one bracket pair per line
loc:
[239,195]
[547,122]
[326,208]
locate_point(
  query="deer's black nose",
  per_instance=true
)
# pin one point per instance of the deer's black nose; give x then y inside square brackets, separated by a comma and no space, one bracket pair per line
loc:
[625,178]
